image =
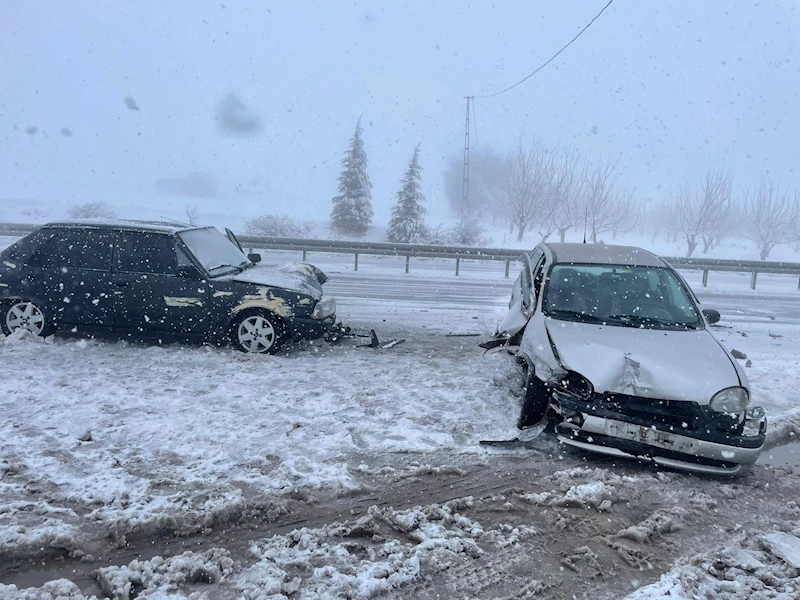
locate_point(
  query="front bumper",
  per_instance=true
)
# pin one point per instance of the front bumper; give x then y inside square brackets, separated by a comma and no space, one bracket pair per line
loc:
[621,438]
[312,329]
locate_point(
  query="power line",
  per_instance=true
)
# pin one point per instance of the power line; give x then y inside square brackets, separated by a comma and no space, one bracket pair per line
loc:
[552,58]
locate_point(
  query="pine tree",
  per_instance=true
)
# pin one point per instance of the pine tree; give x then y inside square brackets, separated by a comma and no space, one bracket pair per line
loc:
[407,224]
[352,208]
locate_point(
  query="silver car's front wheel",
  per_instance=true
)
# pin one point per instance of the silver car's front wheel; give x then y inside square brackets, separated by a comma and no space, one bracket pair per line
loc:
[257,333]
[25,315]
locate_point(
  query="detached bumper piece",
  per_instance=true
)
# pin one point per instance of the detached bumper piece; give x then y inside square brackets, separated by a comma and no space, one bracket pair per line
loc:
[680,435]
[338,332]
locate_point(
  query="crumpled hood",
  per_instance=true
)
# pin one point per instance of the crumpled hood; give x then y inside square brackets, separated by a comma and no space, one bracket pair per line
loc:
[651,363]
[298,277]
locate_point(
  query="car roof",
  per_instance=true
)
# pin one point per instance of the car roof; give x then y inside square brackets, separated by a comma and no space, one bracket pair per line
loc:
[120,224]
[601,254]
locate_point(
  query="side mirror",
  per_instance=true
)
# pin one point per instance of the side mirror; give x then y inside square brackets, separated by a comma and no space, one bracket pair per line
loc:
[188,272]
[712,316]
[254,258]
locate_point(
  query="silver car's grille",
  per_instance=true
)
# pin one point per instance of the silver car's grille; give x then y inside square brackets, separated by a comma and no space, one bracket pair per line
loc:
[675,414]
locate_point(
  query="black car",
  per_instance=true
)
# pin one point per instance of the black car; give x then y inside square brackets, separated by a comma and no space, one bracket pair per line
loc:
[149,279]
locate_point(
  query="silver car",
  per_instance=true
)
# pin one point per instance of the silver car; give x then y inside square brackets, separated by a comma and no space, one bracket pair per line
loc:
[618,352]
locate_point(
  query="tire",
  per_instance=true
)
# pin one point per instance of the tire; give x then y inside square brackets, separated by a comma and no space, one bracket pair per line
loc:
[258,332]
[25,314]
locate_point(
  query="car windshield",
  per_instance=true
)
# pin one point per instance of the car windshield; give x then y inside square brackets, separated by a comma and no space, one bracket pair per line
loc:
[214,251]
[621,296]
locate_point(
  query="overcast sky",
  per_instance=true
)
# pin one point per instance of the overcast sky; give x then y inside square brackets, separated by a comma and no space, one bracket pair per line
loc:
[250,105]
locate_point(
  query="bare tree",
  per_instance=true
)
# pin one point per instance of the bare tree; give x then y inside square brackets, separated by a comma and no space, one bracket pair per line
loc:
[567,191]
[770,216]
[703,214]
[607,208]
[528,174]
[91,210]
[279,226]
[486,182]
[191,211]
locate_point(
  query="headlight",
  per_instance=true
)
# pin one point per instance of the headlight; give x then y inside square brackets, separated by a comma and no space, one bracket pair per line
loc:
[730,400]
[324,308]
[576,385]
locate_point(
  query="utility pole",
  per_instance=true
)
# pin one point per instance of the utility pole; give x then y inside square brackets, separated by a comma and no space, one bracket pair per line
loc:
[465,180]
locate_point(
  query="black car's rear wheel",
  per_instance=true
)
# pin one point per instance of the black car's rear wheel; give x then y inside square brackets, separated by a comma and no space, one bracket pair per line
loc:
[258,333]
[23,314]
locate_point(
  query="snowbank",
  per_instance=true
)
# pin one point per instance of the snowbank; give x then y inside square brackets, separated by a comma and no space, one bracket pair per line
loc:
[755,565]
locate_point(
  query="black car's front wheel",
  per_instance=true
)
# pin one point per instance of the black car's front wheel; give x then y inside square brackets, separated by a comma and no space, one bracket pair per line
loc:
[258,333]
[23,314]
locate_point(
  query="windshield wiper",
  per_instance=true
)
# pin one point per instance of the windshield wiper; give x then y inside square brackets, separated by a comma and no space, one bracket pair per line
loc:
[644,321]
[574,315]
[239,267]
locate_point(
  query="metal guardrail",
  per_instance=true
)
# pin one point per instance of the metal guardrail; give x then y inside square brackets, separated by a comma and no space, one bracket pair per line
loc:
[754,267]
[306,246]
[384,249]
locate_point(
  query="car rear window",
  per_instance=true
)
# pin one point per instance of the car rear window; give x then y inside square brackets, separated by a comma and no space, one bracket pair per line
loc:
[76,249]
[19,251]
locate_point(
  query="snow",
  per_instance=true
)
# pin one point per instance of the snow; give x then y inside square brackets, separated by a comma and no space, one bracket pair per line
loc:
[186,437]
[161,576]
[291,276]
[750,568]
[59,589]
[325,565]
[784,546]
[773,372]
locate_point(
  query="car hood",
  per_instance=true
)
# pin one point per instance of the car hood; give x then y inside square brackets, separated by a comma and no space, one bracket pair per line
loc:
[650,363]
[297,277]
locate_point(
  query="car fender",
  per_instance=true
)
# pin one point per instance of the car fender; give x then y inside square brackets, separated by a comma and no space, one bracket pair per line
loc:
[228,299]
[538,350]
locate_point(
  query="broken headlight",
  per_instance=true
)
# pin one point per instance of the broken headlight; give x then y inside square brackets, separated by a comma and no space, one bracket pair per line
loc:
[730,400]
[324,308]
[576,385]
[755,422]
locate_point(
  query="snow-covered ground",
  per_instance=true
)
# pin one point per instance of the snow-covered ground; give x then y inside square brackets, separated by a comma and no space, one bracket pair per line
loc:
[107,440]
[577,532]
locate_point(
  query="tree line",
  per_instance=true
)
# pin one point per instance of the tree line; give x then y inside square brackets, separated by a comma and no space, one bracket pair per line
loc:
[553,191]
[543,191]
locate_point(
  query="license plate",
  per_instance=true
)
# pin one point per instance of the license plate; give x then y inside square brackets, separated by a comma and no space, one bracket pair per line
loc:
[650,436]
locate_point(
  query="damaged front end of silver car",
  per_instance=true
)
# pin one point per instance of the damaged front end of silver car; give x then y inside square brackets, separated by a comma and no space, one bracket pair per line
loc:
[724,437]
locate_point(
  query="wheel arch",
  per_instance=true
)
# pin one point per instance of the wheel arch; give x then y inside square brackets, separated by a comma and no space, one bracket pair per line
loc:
[234,318]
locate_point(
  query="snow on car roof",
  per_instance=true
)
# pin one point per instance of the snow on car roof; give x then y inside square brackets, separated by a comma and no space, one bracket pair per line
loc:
[130,224]
[604,255]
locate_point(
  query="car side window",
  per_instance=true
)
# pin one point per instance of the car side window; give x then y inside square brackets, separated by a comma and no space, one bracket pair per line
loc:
[183,259]
[21,250]
[146,253]
[87,249]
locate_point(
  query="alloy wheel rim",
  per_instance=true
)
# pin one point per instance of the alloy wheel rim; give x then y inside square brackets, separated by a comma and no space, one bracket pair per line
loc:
[256,334]
[25,315]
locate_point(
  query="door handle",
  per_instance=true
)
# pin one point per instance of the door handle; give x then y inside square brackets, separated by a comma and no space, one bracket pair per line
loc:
[121,282]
